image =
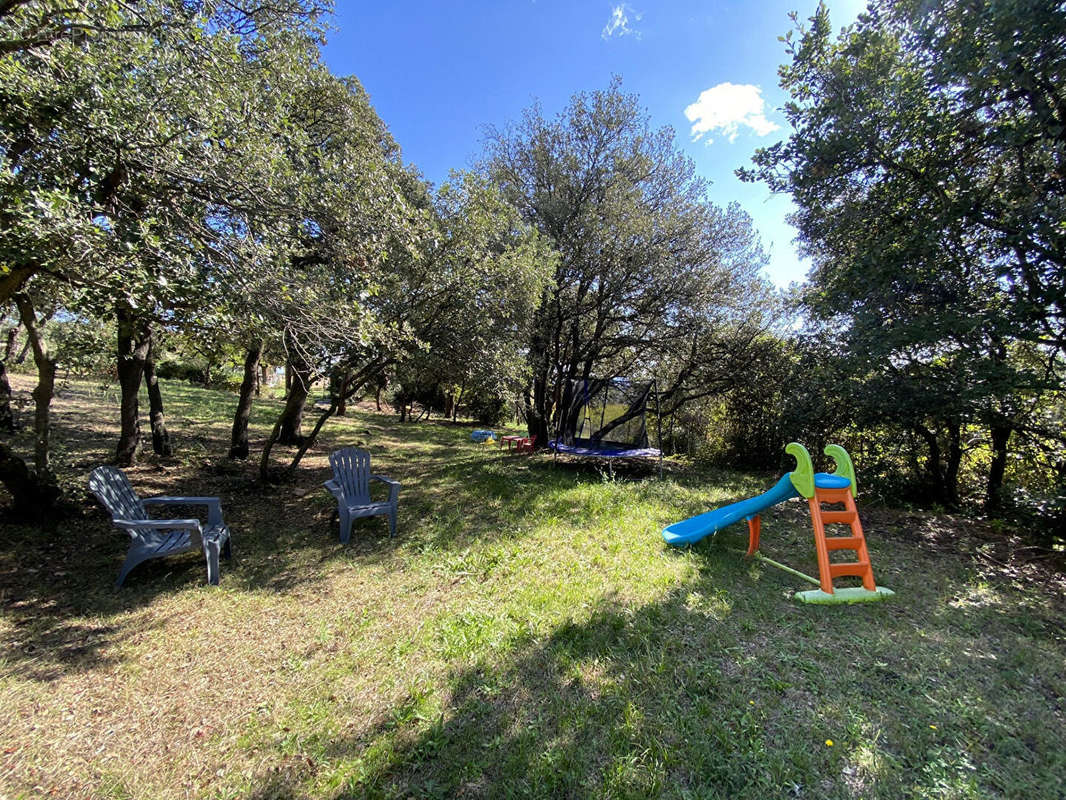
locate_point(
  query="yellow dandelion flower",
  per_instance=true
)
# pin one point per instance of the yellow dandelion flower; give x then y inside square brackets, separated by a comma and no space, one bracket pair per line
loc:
[828,742]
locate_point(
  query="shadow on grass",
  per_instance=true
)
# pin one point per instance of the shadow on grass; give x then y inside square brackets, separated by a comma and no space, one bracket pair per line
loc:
[563,718]
[717,689]
[66,616]
[58,601]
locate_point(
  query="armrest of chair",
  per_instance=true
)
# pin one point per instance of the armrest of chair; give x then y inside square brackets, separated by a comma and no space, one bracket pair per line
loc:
[190,525]
[394,486]
[335,488]
[214,505]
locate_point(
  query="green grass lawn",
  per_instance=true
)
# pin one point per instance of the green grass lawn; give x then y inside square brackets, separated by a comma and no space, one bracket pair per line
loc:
[527,634]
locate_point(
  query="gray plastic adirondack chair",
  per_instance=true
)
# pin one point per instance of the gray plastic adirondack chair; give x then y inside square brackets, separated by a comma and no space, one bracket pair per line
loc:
[155,538]
[351,486]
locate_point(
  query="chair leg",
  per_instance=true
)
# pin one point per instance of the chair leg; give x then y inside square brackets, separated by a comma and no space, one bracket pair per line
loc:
[211,549]
[132,560]
[345,527]
[392,523]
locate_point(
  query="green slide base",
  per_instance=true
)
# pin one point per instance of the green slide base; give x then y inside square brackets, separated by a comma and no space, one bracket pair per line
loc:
[852,594]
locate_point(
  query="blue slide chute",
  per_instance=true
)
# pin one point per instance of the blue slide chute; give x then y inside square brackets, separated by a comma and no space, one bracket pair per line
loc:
[691,530]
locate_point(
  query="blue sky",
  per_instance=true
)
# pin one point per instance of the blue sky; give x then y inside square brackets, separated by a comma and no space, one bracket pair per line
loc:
[437,73]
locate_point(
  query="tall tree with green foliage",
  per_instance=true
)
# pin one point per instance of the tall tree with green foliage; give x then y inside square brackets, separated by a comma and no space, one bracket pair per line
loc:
[455,299]
[139,158]
[648,271]
[927,165]
[487,269]
[356,222]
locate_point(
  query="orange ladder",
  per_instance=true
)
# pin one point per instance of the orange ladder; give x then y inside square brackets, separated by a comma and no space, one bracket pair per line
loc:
[823,544]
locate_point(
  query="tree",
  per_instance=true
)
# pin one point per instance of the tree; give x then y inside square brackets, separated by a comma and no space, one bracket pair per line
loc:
[926,164]
[33,25]
[646,266]
[354,227]
[149,105]
[7,417]
[463,289]
[487,269]
[137,161]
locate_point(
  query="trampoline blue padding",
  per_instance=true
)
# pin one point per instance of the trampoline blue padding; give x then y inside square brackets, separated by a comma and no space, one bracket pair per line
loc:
[604,451]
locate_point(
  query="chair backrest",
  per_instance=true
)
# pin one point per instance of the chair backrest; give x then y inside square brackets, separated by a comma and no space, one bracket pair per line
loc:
[351,468]
[112,488]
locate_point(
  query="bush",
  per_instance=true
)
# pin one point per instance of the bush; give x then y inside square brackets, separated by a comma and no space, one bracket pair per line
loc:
[488,408]
[177,370]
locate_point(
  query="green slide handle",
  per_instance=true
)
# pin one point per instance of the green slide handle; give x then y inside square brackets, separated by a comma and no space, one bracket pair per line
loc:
[802,476]
[844,467]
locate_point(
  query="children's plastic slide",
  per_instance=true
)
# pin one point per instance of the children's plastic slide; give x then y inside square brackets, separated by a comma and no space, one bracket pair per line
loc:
[693,529]
[825,493]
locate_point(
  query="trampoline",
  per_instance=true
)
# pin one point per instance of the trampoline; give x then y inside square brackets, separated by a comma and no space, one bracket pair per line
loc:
[606,418]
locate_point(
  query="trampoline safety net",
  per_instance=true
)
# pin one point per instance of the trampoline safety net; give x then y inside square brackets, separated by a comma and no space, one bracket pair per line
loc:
[605,417]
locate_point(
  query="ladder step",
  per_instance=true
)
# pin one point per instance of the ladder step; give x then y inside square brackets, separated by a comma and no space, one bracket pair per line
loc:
[855,568]
[832,495]
[844,517]
[842,542]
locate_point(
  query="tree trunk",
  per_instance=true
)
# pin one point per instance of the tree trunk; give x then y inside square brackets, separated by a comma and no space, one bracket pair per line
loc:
[160,436]
[298,386]
[354,383]
[42,413]
[292,415]
[933,469]
[1001,432]
[308,441]
[9,343]
[942,470]
[42,392]
[31,499]
[1058,527]
[132,352]
[342,390]
[34,493]
[264,459]
[21,357]
[951,476]
[537,411]
[7,417]
[238,447]
[458,401]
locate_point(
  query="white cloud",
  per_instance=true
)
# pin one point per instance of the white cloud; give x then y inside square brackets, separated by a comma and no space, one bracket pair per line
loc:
[727,106]
[619,22]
